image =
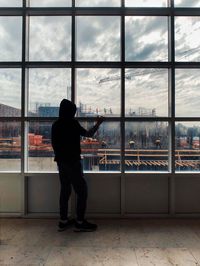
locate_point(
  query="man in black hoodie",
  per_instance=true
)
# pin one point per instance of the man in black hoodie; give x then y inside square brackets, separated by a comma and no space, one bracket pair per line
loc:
[66,132]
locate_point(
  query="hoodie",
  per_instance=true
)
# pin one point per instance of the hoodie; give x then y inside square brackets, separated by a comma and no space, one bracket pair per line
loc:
[67,109]
[66,133]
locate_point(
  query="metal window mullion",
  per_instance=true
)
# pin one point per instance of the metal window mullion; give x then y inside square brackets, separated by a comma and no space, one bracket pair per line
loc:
[122,91]
[172,120]
[73,53]
[73,84]
[100,64]
[23,103]
[122,122]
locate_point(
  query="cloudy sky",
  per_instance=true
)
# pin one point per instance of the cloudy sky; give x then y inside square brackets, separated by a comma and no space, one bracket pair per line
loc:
[98,39]
[100,3]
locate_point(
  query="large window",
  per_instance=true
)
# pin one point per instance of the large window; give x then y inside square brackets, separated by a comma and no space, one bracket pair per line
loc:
[98,92]
[45,89]
[146,146]
[10,146]
[135,62]
[10,91]
[102,152]
[188,146]
[50,38]
[146,92]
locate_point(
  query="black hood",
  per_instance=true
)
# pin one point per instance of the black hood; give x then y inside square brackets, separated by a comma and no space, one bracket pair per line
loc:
[67,109]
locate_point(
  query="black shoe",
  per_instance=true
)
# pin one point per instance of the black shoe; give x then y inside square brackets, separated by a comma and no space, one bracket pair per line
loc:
[85,226]
[65,225]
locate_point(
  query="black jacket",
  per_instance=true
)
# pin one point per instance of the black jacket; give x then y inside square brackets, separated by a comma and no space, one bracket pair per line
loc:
[65,134]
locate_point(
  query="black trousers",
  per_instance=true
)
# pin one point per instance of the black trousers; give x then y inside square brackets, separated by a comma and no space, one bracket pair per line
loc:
[71,175]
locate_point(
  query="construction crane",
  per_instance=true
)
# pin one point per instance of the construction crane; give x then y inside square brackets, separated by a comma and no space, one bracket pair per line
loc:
[140,72]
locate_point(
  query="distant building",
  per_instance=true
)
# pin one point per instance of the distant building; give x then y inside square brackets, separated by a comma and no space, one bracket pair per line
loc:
[9,111]
[141,111]
[48,111]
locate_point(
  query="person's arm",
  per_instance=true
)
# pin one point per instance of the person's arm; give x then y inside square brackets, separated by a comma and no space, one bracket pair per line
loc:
[89,133]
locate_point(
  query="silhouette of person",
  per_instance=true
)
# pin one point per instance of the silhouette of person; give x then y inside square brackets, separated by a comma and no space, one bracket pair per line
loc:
[158,143]
[65,138]
[131,144]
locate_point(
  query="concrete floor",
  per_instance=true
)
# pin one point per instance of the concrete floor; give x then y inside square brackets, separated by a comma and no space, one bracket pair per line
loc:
[117,242]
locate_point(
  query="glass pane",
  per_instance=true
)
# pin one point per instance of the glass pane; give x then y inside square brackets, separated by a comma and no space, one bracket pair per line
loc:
[146,145]
[146,92]
[187,3]
[146,3]
[98,38]
[10,91]
[10,38]
[187,42]
[40,152]
[97,3]
[10,146]
[187,146]
[98,92]
[10,3]
[50,3]
[146,38]
[50,38]
[102,152]
[187,92]
[47,87]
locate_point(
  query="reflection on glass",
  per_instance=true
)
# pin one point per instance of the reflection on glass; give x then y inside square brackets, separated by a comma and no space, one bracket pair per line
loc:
[146,38]
[187,3]
[10,91]
[10,146]
[188,146]
[50,3]
[187,92]
[50,38]
[10,38]
[102,151]
[98,38]
[47,87]
[40,152]
[146,92]
[146,3]
[10,3]
[187,42]
[98,92]
[146,146]
[97,3]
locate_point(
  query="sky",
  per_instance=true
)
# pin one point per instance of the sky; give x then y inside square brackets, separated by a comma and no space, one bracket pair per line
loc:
[98,38]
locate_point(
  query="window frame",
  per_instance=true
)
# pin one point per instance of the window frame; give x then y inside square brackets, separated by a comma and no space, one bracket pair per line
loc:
[171,12]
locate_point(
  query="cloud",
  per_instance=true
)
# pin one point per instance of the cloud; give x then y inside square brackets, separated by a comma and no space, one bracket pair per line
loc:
[10,87]
[187,3]
[50,39]
[187,41]
[187,92]
[96,95]
[147,91]
[10,3]
[48,86]
[146,3]
[146,39]
[10,38]
[98,38]
[50,3]
[98,3]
